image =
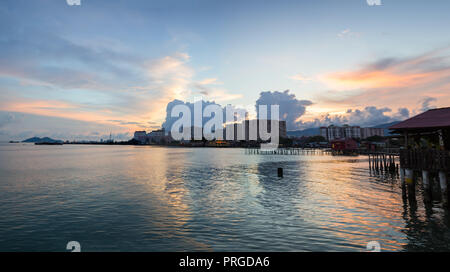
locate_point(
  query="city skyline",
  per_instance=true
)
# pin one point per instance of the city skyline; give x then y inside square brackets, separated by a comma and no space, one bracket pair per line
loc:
[80,72]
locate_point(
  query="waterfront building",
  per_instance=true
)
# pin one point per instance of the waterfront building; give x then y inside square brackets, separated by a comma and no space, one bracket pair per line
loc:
[155,136]
[140,136]
[356,132]
[347,144]
[254,125]
[370,132]
[352,131]
[241,131]
[431,127]
[427,150]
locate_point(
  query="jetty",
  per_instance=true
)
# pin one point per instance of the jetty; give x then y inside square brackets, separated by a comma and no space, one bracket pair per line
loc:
[383,160]
[288,151]
[425,154]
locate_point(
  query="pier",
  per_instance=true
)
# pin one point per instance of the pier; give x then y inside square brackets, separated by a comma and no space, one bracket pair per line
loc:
[425,155]
[384,160]
[432,167]
[287,151]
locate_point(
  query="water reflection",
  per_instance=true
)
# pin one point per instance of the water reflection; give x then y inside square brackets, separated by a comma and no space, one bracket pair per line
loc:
[173,199]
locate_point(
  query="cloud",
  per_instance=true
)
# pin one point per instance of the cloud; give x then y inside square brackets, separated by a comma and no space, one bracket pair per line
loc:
[43,58]
[209,81]
[19,126]
[366,117]
[170,120]
[403,113]
[291,109]
[208,88]
[395,81]
[6,118]
[348,33]
[300,77]
[426,103]
[53,71]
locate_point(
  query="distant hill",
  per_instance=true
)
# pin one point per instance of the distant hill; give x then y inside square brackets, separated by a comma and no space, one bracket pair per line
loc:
[41,140]
[385,126]
[306,132]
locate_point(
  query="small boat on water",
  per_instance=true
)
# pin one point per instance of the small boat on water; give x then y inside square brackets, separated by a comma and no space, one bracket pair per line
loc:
[48,143]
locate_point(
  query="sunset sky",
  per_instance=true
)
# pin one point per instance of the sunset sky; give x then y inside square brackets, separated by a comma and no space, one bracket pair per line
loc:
[81,72]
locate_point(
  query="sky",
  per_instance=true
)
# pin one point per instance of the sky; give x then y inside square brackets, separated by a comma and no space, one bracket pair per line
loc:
[113,66]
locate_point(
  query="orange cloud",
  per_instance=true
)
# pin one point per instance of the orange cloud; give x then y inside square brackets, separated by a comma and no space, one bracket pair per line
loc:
[396,82]
[53,108]
[378,79]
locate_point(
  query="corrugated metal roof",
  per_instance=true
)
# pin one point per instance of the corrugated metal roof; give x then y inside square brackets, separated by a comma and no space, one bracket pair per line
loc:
[430,119]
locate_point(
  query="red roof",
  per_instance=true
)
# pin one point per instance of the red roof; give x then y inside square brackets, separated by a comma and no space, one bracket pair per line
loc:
[430,119]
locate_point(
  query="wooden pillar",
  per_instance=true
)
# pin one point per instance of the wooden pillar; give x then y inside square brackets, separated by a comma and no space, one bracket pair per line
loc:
[392,163]
[381,162]
[410,184]
[403,182]
[280,172]
[426,185]
[443,183]
[406,140]
[441,139]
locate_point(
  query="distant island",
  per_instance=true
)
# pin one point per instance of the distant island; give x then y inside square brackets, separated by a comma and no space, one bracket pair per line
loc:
[42,140]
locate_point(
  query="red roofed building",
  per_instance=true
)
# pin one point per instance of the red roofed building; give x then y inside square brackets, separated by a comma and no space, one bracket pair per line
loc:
[431,124]
[431,119]
[344,144]
[427,145]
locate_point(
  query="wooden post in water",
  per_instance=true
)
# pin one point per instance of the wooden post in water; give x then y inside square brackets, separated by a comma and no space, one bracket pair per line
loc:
[280,172]
[391,164]
[443,183]
[376,161]
[381,162]
[403,182]
[410,184]
[426,185]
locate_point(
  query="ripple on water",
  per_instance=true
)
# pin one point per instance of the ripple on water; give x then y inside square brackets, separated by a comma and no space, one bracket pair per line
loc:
[124,198]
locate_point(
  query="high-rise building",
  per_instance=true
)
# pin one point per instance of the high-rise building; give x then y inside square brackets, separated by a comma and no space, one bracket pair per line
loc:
[156,136]
[335,132]
[369,132]
[252,129]
[140,136]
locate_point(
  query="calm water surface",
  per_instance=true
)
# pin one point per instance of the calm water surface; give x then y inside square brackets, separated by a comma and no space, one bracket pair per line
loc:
[129,198]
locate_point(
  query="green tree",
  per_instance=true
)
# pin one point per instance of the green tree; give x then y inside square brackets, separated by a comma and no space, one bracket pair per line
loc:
[375,138]
[316,139]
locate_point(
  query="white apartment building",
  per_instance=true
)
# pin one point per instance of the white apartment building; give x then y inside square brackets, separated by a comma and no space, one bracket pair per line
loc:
[155,136]
[335,132]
